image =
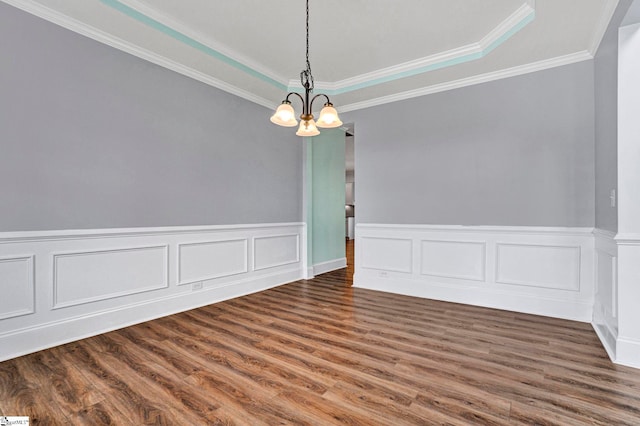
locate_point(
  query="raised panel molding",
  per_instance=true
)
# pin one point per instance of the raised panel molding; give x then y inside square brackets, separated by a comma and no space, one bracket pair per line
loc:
[209,260]
[79,283]
[606,283]
[275,250]
[556,267]
[454,259]
[605,307]
[386,254]
[538,270]
[17,286]
[92,276]
[605,321]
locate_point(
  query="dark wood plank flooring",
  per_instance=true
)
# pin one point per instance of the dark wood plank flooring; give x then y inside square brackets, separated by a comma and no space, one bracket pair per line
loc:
[321,352]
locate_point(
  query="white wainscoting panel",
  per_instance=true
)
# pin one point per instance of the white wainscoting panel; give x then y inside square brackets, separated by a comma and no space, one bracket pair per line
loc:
[98,275]
[539,266]
[605,321]
[606,290]
[60,286]
[453,259]
[538,270]
[275,250]
[627,296]
[17,286]
[211,259]
[386,254]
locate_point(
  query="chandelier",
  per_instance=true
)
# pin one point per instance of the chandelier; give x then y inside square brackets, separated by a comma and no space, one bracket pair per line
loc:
[285,115]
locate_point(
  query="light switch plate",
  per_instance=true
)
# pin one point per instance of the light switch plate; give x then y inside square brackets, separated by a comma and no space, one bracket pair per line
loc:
[612,196]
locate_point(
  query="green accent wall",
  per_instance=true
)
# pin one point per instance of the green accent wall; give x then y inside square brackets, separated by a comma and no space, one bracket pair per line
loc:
[327,197]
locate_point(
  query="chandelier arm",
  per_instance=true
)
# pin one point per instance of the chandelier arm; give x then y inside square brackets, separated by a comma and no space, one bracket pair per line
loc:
[306,110]
[294,93]
[317,96]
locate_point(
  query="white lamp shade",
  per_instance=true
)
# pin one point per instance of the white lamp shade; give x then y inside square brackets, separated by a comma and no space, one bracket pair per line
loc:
[284,116]
[308,128]
[329,118]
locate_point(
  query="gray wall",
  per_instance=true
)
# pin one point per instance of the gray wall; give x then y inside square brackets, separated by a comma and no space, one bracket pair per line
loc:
[606,122]
[633,12]
[91,137]
[518,151]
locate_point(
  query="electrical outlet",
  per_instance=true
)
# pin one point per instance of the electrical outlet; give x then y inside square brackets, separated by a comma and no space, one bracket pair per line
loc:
[196,286]
[383,274]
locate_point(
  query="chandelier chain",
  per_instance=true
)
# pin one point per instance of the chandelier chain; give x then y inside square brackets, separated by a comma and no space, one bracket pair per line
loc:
[285,115]
[306,77]
[308,63]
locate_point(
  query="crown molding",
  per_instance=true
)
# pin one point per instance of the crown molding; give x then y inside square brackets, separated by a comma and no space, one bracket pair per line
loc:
[81,28]
[395,72]
[505,29]
[608,9]
[170,26]
[502,32]
[482,78]
[179,31]
[174,28]
[498,35]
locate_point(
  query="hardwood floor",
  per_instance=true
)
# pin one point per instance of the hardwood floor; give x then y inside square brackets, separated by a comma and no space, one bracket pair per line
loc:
[321,352]
[350,249]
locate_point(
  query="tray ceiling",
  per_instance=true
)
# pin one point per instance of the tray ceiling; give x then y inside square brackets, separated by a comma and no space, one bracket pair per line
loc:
[362,52]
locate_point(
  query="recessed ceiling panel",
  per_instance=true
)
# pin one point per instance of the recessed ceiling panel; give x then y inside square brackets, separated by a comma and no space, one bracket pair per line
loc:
[363,36]
[362,52]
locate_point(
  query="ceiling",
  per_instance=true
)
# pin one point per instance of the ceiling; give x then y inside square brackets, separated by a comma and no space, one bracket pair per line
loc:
[362,52]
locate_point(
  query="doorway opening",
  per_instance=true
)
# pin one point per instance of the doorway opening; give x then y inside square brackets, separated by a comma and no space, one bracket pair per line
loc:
[350,200]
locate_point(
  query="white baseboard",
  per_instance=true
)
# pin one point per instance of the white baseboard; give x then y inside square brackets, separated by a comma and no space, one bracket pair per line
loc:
[309,275]
[331,265]
[628,296]
[61,286]
[607,338]
[628,352]
[488,298]
[536,270]
[24,341]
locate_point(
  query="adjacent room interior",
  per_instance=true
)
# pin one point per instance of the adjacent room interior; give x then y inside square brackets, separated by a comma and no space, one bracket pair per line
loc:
[170,256]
